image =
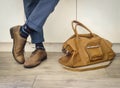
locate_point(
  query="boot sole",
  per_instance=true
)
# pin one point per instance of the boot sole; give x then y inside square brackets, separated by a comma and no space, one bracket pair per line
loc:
[12,37]
[43,59]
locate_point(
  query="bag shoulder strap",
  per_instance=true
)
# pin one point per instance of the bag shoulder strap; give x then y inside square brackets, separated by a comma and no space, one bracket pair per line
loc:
[88,69]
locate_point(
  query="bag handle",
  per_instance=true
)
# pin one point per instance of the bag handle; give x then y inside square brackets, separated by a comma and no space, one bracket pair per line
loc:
[74,27]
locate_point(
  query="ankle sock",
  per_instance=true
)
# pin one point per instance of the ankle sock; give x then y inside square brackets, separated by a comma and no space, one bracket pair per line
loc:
[24,31]
[39,46]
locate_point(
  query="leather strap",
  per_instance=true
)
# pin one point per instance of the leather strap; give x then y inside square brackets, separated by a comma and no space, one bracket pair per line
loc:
[87,69]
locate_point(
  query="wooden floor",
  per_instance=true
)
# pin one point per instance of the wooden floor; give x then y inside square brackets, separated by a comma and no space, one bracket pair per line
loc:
[50,74]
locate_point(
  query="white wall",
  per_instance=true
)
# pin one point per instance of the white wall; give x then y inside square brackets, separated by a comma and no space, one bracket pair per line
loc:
[11,13]
[101,16]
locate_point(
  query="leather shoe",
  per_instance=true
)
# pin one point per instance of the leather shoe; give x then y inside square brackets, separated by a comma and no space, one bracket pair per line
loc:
[18,44]
[36,58]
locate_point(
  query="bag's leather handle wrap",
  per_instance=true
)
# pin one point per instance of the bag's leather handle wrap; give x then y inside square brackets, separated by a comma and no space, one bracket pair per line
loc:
[74,27]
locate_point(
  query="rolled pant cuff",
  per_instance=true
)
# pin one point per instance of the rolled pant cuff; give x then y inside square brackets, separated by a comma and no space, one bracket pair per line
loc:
[33,26]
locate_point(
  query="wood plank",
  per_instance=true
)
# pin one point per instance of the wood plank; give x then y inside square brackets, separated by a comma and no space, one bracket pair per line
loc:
[50,74]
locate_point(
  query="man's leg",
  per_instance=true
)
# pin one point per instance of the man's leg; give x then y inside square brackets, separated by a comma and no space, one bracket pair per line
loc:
[35,22]
[29,6]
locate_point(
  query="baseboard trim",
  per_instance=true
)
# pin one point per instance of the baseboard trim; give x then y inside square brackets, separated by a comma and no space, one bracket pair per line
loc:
[50,47]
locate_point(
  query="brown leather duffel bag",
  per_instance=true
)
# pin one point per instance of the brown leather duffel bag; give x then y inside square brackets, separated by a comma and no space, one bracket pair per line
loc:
[86,51]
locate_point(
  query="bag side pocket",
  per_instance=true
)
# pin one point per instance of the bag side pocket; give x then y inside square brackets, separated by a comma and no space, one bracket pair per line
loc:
[94,52]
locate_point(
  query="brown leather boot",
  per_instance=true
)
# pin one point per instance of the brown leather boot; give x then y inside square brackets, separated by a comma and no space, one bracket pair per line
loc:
[36,58]
[18,44]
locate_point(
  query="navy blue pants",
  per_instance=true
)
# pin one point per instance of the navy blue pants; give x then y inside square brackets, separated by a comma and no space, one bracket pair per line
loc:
[36,12]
